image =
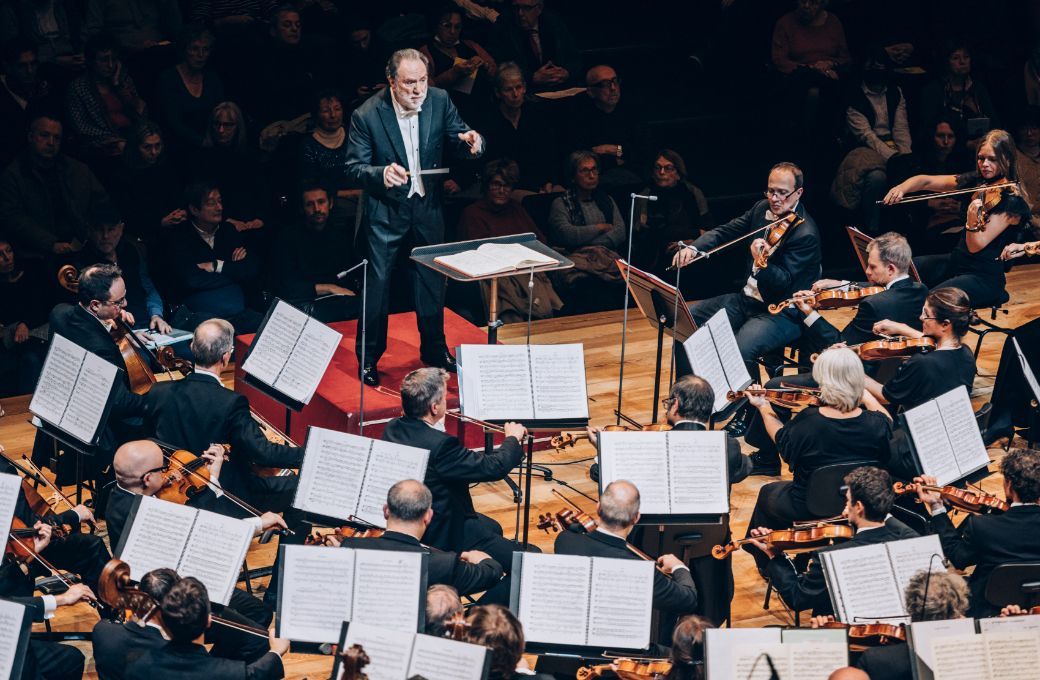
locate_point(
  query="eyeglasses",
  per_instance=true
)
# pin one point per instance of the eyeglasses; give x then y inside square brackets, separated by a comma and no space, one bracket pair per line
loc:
[164,468]
[604,84]
[121,302]
[664,168]
[498,185]
[667,402]
[778,193]
[588,171]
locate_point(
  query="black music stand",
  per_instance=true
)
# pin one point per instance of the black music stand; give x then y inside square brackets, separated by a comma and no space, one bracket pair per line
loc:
[663,306]
[860,241]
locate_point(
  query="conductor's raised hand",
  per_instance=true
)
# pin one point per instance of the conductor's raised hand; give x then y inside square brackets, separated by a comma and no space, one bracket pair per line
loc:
[394,176]
[472,139]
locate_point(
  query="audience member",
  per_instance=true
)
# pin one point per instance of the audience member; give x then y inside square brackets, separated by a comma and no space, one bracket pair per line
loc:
[25,302]
[538,40]
[212,271]
[103,103]
[680,213]
[45,196]
[462,67]
[135,26]
[612,130]
[945,155]
[323,153]
[1027,153]
[54,27]
[364,65]
[188,91]
[1031,76]
[227,159]
[230,12]
[586,215]
[957,93]
[22,89]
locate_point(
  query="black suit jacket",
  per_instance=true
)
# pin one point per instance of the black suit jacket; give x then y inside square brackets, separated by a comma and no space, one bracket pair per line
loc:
[902,303]
[890,662]
[193,662]
[795,265]
[198,411]
[988,541]
[675,594]
[117,645]
[809,590]
[451,469]
[444,567]
[739,464]
[214,293]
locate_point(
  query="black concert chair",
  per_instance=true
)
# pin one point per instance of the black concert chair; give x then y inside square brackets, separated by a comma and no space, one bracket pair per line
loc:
[911,519]
[987,325]
[1015,583]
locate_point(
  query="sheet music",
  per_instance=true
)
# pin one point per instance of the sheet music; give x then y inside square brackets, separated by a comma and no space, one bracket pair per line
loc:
[699,479]
[931,442]
[332,472]
[720,645]
[1013,655]
[10,488]
[1027,370]
[558,375]
[388,464]
[316,592]
[272,347]
[911,555]
[442,659]
[554,597]
[12,616]
[923,635]
[1001,624]
[749,662]
[306,365]
[156,536]
[388,650]
[622,600]
[640,458]
[495,382]
[733,365]
[861,583]
[57,380]
[215,553]
[705,363]
[73,389]
[959,417]
[396,608]
[960,657]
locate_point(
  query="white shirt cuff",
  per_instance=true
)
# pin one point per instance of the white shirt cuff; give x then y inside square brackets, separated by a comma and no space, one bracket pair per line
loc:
[681,566]
[811,318]
[50,604]
[220,266]
[258,526]
[938,511]
[479,146]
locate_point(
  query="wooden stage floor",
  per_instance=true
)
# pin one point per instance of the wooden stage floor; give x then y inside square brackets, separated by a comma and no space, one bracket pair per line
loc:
[601,335]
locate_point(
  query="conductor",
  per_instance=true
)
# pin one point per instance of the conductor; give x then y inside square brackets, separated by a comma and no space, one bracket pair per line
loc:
[396,139]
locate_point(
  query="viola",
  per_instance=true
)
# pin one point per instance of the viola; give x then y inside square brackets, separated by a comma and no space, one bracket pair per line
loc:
[566,439]
[830,299]
[629,669]
[876,634]
[318,538]
[457,627]
[984,201]
[892,348]
[961,499]
[352,662]
[775,237]
[788,397]
[186,477]
[806,538]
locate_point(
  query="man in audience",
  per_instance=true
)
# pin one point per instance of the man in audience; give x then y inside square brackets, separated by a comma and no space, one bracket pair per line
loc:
[214,272]
[539,41]
[45,196]
[186,617]
[610,128]
[408,513]
[25,302]
[22,89]
[869,498]
[988,541]
[310,255]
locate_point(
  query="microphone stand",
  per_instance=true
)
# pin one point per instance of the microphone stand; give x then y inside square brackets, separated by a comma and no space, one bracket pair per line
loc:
[628,278]
[364,324]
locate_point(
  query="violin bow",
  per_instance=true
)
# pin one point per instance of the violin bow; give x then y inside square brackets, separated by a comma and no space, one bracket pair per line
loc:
[34,473]
[955,192]
[50,567]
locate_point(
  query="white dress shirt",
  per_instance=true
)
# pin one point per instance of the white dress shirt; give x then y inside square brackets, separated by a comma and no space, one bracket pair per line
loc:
[408,122]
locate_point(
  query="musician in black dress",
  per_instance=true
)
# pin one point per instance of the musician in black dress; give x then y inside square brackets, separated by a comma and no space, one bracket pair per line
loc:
[974,266]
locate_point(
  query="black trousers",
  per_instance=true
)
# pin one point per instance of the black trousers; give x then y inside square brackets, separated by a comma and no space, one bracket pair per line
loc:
[485,534]
[53,661]
[418,222]
[79,553]
[983,288]
[776,508]
[229,643]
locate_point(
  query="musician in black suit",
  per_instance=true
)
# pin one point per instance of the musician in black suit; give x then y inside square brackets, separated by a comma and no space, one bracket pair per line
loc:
[988,541]
[618,512]
[408,512]
[869,498]
[456,526]
[394,136]
[185,614]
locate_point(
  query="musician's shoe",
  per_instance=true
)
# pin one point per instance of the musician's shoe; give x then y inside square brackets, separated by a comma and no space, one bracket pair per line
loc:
[764,465]
[444,360]
[739,424]
[369,375]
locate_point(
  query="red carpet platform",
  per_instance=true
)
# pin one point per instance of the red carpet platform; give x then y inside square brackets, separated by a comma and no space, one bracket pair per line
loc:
[337,401]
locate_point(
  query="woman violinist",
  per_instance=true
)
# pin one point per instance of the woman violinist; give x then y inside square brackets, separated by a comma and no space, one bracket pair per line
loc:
[992,221]
[849,426]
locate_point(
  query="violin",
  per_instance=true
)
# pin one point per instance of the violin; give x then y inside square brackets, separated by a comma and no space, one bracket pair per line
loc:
[788,397]
[565,439]
[891,348]
[985,200]
[805,538]
[629,669]
[186,477]
[830,299]
[37,503]
[775,237]
[19,540]
[862,635]
[352,661]
[457,627]
[962,499]
[318,538]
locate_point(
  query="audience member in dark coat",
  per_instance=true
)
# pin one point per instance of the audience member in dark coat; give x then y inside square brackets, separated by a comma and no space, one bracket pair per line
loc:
[22,90]
[25,299]
[609,127]
[540,42]
[188,91]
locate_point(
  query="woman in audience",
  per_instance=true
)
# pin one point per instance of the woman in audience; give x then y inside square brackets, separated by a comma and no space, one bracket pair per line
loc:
[586,215]
[323,154]
[495,627]
[228,159]
[147,189]
[461,66]
[188,91]
[944,155]
[958,94]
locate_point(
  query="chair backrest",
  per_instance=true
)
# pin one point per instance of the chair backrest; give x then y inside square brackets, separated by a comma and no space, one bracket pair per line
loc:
[823,496]
[1014,583]
[911,519]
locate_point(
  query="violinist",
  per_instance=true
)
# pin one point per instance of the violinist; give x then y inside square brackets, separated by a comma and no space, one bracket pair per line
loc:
[794,266]
[618,512]
[688,648]
[987,541]
[974,266]
[186,616]
[408,513]
[495,627]
[849,426]
[455,526]
[868,500]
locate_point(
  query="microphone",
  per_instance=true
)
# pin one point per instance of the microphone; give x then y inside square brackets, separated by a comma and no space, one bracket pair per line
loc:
[646,197]
[927,580]
[773,675]
[347,271]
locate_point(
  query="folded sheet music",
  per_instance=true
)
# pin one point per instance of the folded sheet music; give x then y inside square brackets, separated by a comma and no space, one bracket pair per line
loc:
[291,352]
[192,542]
[397,655]
[73,391]
[677,473]
[495,258]
[713,355]
[15,627]
[346,475]
[868,582]
[321,587]
[946,437]
[523,382]
[1007,655]
[797,654]
[583,601]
